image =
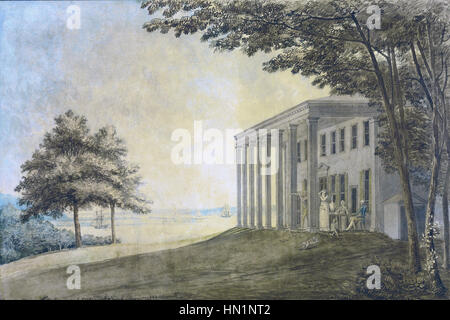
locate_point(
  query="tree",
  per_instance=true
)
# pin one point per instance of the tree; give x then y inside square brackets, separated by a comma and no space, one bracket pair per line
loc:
[119,181]
[327,40]
[429,33]
[55,178]
[421,36]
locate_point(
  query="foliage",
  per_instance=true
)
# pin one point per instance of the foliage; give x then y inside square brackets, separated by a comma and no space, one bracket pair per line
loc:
[397,283]
[35,236]
[120,180]
[56,176]
[418,128]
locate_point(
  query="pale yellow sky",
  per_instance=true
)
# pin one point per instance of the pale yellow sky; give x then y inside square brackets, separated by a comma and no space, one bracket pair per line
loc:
[147,85]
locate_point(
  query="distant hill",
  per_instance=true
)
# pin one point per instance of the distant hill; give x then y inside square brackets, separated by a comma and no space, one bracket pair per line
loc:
[203,212]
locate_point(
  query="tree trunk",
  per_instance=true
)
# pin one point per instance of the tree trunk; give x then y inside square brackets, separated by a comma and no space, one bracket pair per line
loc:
[401,158]
[113,228]
[404,153]
[446,257]
[432,264]
[77,226]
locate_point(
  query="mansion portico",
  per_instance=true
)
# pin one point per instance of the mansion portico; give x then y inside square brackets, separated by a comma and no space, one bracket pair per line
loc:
[323,144]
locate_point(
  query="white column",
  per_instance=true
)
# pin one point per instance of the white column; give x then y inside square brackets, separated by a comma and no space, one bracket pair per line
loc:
[280,200]
[313,188]
[377,211]
[239,182]
[291,176]
[258,184]
[245,185]
[268,185]
[252,183]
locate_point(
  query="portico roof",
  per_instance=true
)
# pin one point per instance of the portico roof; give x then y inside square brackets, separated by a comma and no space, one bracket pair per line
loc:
[326,107]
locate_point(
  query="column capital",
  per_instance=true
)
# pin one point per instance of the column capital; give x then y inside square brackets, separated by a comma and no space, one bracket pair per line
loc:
[292,126]
[312,119]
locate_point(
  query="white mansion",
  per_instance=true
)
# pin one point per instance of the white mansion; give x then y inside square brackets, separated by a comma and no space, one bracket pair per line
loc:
[324,144]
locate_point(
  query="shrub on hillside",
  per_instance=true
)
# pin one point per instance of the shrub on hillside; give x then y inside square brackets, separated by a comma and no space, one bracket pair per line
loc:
[19,240]
[397,283]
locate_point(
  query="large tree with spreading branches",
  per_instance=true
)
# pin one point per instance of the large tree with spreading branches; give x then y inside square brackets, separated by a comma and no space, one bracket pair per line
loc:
[73,169]
[120,181]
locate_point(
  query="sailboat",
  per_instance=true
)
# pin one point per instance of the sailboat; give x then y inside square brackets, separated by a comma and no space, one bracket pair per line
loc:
[99,220]
[226,211]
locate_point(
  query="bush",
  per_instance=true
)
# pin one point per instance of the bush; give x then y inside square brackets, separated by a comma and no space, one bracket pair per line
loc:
[397,283]
[19,240]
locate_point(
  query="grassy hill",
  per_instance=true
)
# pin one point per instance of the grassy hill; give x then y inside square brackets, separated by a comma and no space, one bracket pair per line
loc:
[237,264]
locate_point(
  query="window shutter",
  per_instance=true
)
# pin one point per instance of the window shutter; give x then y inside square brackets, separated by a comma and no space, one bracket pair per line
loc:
[361,187]
[329,187]
[346,190]
[370,191]
[338,189]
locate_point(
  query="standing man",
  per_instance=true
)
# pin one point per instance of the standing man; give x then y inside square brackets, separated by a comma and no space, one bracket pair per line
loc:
[362,214]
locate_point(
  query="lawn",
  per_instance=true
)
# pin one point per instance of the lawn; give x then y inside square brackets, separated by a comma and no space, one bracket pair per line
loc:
[236,264]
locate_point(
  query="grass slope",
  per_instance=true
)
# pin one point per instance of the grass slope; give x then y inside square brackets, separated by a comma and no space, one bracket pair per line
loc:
[237,264]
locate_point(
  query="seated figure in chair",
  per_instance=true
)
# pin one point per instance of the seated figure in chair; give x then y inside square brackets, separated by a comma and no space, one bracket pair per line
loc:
[360,217]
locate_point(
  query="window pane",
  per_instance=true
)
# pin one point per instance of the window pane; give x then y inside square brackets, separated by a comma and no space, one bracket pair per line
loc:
[323,146]
[354,199]
[342,187]
[366,133]
[354,136]
[333,142]
[306,150]
[342,140]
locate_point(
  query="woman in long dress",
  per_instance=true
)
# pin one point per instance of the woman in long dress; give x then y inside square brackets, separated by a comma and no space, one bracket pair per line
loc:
[324,217]
[343,214]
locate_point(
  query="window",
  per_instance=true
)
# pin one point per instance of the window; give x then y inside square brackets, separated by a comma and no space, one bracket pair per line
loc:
[366,133]
[333,142]
[342,140]
[342,187]
[299,153]
[306,150]
[333,189]
[323,145]
[323,184]
[299,209]
[305,185]
[354,199]
[354,136]
[366,185]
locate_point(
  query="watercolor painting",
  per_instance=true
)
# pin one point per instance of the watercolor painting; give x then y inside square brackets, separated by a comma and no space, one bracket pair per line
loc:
[210,149]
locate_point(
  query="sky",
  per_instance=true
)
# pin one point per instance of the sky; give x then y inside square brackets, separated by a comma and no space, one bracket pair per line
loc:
[145,84]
